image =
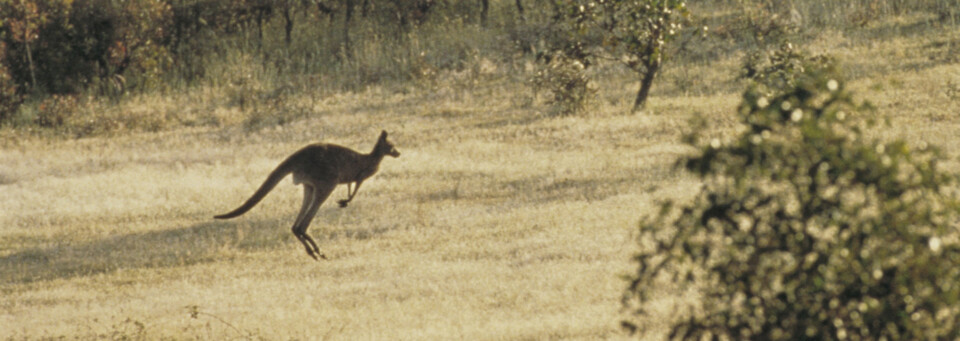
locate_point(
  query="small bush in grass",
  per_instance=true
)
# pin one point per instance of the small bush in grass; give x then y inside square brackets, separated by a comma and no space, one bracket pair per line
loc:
[564,78]
[806,229]
[55,111]
[779,69]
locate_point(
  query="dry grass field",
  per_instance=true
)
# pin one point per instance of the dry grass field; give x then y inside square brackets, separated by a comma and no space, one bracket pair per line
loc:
[497,222]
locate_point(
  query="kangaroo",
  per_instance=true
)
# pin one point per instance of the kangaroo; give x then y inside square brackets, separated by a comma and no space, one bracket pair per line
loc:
[320,167]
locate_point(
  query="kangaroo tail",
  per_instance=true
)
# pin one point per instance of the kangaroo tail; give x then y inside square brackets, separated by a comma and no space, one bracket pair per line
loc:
[278,174]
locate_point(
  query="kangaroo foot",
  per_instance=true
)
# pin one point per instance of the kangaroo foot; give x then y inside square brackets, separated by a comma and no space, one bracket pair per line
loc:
[316,254]
[343,203]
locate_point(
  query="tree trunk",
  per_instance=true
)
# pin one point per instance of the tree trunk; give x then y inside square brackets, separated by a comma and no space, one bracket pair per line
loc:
[26,44]
[260,16]
[523,17]
[484,9]
[651,59]
[346,29]
[288,23]
[645,84]
[33,73]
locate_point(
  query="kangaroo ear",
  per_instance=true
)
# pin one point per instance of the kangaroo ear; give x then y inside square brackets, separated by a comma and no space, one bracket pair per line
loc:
[383,134]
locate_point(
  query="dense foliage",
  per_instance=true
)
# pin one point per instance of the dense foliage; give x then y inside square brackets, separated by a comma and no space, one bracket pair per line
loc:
[807,229]
[61,47]
[778,69]
[633,32]
[564,78]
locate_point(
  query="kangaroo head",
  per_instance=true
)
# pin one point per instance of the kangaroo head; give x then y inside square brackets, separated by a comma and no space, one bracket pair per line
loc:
[385,147]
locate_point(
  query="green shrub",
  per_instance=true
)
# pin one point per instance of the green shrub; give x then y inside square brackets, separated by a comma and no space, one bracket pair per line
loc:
[59,47]
[565,79]
[636,33]
[779,69]
[807,229]
[55,111]
[766,21]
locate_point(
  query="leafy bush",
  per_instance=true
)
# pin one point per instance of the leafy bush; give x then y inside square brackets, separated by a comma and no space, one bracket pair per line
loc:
[570,88]
[633,32]
[807,229]
[55,111]
[779,69]
[59,47]
[766,21]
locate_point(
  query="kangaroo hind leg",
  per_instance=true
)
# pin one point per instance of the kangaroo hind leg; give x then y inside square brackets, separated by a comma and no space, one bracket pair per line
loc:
[308,199]
[350,194]
[313,196]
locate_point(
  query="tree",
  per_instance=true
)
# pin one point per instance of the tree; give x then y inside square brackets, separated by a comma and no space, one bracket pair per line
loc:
[635,32]
[520,11]
[807,229]
[484,10]
[286,9]
[24,26]
[638,31]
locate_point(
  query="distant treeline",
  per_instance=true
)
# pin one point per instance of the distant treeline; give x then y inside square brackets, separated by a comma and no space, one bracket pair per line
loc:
[50,47]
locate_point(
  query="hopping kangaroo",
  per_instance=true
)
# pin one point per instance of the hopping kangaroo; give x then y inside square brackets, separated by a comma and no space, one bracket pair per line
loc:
[320,168]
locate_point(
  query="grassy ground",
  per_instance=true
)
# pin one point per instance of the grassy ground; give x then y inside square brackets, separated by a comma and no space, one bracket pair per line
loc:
[497,222]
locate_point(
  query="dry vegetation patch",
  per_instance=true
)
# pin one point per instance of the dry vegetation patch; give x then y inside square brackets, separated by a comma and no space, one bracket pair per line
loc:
[490,216]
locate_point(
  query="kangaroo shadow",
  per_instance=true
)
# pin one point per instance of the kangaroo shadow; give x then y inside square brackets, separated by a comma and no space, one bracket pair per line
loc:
[200,243]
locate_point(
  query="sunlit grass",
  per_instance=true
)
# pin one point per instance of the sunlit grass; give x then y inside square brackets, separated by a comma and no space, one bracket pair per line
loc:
[495,222]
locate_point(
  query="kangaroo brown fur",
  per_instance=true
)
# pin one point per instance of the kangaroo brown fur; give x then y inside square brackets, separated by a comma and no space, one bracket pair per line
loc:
[320,167]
